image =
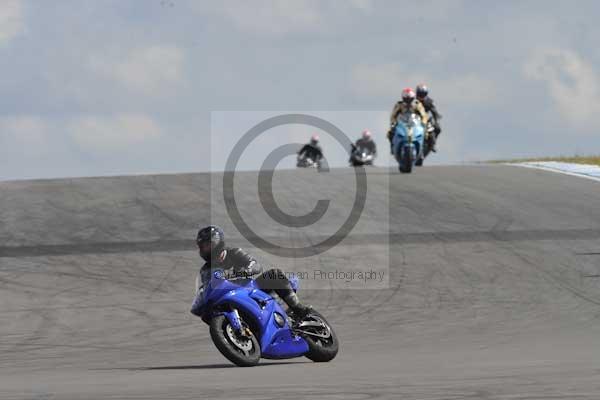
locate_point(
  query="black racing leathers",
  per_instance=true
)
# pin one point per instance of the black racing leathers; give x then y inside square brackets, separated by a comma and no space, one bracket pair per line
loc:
[312,151]
[368,144]
[430,107]
[235,263]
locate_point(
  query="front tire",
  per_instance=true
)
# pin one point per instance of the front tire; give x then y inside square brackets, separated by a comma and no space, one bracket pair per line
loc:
[406,162]
[320,349]
[242,350]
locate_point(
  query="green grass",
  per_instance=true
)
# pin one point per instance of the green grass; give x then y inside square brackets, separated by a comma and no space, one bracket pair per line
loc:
[594,160]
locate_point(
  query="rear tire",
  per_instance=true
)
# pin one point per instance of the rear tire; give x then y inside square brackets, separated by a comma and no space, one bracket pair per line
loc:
[427,151]
[321,349]
[428,146]
[244,353]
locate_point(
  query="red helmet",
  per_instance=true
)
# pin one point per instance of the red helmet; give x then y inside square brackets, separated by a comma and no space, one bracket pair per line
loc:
[408,94]
[366,134]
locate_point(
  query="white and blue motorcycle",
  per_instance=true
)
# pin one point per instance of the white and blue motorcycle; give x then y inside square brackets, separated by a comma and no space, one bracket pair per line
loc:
[409,142]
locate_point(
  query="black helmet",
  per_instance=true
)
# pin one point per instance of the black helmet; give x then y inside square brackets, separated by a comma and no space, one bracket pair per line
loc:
[210,241]
[422,91]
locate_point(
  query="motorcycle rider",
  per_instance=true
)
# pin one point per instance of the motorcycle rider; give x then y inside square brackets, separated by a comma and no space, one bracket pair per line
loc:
[423,96]
[365,141]
[409,103]
[312,150]
[236,263]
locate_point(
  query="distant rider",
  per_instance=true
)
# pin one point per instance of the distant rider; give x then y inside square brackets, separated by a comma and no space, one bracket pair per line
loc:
[312,150]
[366,141]
[236,263]
[409,103]
[429,105]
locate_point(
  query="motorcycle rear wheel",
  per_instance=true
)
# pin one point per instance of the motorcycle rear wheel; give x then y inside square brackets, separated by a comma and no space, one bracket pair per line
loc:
[320,349]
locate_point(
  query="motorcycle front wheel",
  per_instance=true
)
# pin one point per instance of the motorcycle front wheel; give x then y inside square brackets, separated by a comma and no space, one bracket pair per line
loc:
[242,349]
[406,163]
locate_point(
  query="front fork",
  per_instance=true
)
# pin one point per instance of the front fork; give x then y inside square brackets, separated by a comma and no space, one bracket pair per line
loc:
[234,319]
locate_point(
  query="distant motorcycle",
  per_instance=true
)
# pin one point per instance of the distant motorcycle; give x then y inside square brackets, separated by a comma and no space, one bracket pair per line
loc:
[428,143]
[408,142]
[361,155]
[307,162]
[247,324]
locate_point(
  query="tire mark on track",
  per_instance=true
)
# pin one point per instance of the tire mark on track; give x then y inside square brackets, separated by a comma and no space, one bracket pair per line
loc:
[177,262]
[172,245]
[555,280]
[95,306]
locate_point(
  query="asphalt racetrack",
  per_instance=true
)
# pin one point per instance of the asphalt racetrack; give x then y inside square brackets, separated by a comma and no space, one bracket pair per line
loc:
[490,289]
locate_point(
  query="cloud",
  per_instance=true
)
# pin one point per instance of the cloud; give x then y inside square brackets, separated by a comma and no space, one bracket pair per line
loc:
[572,82]
[150,70]
[106,134]
[26,135]
[364,5]
[388,79]
[275,17]
[11,19]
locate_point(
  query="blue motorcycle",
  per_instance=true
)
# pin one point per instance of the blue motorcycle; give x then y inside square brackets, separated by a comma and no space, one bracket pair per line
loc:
[409,142]
[247,324]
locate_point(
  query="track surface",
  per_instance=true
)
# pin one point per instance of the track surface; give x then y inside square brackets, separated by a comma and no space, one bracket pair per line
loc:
[494,287]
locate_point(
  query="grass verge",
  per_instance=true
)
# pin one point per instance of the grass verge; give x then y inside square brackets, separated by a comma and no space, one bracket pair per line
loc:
[593,160]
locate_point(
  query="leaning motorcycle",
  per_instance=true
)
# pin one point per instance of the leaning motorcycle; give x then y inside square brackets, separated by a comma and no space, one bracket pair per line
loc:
[307,162]
[428,142]
[408,141]
[247,324]
[360,156]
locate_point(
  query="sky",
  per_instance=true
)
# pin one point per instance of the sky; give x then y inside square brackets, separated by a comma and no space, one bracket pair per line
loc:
[117,87]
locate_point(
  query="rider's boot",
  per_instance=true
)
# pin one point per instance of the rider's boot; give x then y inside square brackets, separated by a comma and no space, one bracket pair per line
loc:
[436,133]
[389,137]
[299,309]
